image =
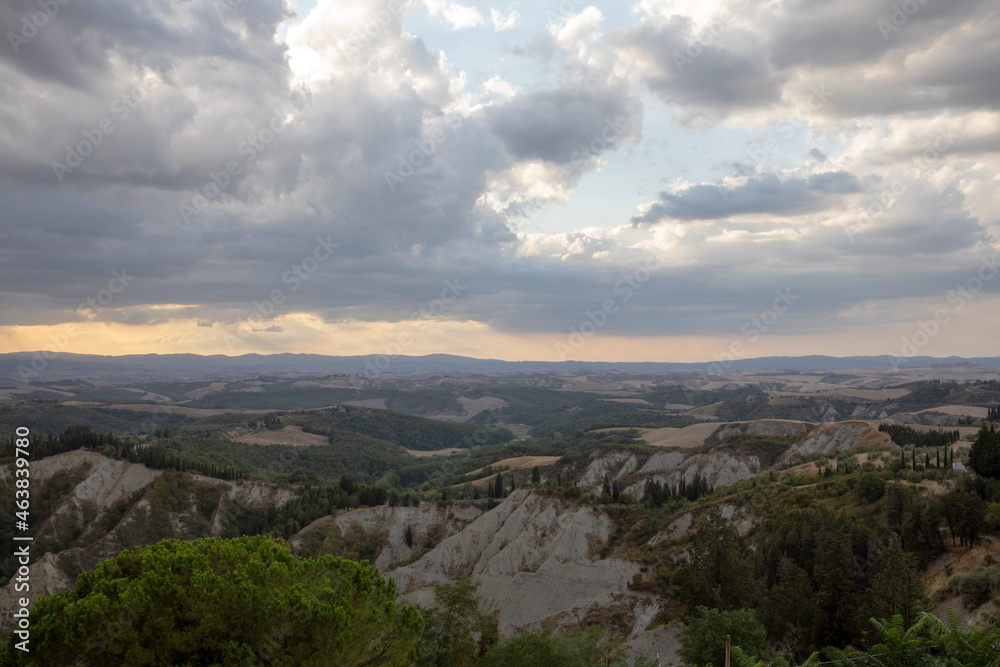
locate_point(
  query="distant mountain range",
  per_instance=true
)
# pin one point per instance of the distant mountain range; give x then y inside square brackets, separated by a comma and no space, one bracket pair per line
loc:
[15,366]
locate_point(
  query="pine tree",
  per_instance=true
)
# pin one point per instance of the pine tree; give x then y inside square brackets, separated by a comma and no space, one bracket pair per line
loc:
[794,605]
[984,457]
[719,573]
[897,588]
[536,475]
[836,604]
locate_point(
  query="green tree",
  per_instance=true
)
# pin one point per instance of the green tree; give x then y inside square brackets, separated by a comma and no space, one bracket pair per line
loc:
[223,602]
[972,517]
[897,588]
[703,640]
[719,573]
[454,626]
[836,602]
[870,487]
[794,607]
[984,457]
[536,475]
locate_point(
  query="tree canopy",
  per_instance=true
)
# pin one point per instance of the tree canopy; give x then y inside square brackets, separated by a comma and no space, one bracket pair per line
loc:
[984,457]
[246,601]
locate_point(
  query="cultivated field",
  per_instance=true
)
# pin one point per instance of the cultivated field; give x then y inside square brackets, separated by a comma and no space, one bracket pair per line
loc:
[290,435]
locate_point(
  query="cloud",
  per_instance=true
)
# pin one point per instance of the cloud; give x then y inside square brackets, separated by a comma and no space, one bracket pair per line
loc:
[456,14]
[573,32]
[697,71]
[383,172]
[566,123]
[501,22]
[765,194]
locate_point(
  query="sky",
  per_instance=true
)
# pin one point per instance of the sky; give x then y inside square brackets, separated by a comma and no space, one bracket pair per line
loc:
[649,181]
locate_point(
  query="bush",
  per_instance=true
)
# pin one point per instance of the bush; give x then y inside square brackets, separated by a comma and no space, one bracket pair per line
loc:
[870,488]
[703,641]
[977,587]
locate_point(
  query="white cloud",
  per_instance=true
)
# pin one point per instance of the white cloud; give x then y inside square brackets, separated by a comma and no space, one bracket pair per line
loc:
[574,32]
[456,14]
[501,22]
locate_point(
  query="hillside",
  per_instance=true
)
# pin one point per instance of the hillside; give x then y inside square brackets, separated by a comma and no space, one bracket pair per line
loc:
[594,514]
[89,508]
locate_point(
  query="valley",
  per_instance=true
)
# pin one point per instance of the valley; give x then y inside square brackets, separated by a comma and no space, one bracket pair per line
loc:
[569,500]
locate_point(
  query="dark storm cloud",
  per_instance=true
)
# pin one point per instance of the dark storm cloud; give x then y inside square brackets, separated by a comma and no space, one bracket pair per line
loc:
[76,45]
[763,194]
[830,34]
[563,124]
[699,70]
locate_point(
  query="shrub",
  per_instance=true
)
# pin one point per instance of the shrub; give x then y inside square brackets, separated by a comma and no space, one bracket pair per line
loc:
[870,488]
[977,587]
